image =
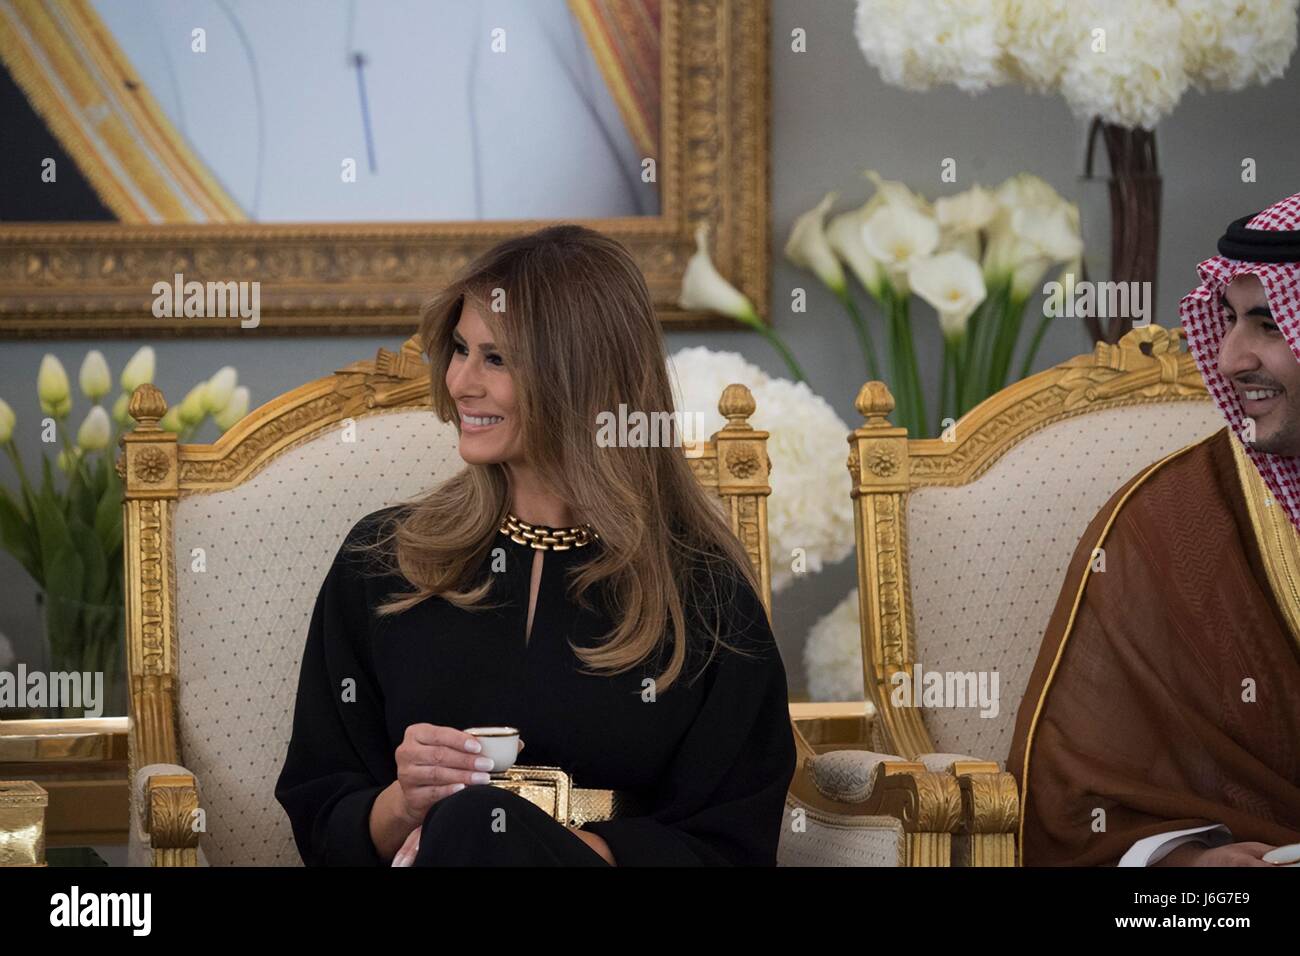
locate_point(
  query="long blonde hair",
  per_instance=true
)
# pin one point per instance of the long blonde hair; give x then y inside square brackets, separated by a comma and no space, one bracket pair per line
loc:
[580,336]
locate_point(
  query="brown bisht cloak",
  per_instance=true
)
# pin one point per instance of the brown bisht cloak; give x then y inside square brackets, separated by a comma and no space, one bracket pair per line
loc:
[1166,694]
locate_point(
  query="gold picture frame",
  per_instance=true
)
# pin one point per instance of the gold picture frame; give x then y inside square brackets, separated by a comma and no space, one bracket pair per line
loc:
[95,279]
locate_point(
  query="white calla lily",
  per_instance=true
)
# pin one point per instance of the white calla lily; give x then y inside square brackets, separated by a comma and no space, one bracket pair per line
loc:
[844,233]
[953,285]
[809,248]
[96,431]
[894,192]
[704,288]
[966,212]
[897,236]
[95,379]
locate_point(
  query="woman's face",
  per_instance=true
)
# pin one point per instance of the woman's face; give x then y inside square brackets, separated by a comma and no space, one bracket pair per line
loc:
[484,391]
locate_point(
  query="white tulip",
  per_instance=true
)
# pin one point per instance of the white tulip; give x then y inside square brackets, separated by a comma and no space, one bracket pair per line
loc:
[191,408]
[52,387]
[897,236]
[808,247]
[7,421]
[94,377]
[66,462]
[844,233]
[139,369]
[220,387]
[234,410]
[171,421]
[96,431]
[704,288]
[120,413]
[953,284]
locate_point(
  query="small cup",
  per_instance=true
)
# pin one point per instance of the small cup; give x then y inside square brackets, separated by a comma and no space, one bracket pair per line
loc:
[501,744]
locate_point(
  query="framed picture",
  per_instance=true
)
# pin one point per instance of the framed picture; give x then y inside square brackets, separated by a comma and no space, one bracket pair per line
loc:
[348,156]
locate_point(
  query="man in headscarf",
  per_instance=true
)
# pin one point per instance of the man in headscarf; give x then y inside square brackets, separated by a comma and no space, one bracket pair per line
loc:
[1161,724]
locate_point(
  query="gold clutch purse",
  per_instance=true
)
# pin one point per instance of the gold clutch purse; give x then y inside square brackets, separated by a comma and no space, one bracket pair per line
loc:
[551,789]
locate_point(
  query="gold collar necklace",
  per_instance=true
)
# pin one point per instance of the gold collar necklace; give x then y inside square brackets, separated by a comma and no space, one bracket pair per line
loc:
[542,538]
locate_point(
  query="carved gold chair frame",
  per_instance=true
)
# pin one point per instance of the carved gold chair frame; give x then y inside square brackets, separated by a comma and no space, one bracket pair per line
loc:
[157,471]
[1146,366]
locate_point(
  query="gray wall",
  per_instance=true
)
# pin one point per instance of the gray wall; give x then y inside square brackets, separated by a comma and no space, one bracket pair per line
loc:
[832,117]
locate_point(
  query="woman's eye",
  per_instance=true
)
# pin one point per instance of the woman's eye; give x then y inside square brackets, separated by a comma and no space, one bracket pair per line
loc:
[496,359]
[459,349]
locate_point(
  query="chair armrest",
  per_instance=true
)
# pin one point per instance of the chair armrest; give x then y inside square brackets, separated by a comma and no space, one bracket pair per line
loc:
[168,798]
[846,785]
[990,809]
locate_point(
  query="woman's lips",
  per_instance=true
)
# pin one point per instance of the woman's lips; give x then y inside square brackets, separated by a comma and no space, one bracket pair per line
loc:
[479,424]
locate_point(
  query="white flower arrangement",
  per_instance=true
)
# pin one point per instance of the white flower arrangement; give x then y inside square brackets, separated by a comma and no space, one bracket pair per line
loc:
[832,654]
[1125,61]
[810,507]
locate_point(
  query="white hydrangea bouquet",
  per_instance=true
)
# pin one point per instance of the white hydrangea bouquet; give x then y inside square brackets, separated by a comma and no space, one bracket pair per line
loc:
[976,258]
[69,538]
[810,513]
[1121,64]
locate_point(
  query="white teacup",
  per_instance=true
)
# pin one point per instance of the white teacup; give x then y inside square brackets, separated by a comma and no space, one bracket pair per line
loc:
[500,744]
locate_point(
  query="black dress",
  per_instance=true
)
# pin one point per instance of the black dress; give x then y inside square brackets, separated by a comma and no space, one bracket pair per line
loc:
[709,759]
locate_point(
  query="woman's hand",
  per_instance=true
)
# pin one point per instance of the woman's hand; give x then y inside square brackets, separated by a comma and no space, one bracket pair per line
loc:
[434,762]
[407,852]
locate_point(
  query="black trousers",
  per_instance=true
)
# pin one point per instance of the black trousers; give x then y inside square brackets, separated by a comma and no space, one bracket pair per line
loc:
[488,826]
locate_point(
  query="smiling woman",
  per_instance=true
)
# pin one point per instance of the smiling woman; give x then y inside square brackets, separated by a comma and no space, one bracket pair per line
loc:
[589,594]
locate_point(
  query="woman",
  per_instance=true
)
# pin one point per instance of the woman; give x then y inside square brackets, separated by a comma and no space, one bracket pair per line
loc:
[639,658]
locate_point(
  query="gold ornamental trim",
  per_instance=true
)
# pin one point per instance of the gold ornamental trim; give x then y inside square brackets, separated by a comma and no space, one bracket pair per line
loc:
[61,280]
[80,82]
[1147,366]
[1275,535]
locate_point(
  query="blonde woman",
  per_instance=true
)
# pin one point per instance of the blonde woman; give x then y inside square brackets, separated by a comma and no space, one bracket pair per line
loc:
[639,658]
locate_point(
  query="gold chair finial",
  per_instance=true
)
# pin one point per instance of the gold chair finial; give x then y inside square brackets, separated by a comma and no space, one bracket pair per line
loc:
[875,402]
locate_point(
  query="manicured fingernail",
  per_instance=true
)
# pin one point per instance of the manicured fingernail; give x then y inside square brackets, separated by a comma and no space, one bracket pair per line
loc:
[484,763]
[457,788]
[480,778]
[473,746]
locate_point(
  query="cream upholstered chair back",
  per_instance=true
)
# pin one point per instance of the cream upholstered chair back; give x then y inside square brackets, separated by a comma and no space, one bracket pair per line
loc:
[226,547]
[963,541]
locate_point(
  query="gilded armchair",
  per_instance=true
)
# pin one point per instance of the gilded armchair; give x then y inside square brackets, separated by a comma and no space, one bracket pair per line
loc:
[225,547]
[962,546]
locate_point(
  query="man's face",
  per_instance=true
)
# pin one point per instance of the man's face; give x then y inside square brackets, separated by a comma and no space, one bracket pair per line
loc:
[1255,358]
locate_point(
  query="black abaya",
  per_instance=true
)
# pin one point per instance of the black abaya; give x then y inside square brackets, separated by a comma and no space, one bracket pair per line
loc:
[709,759]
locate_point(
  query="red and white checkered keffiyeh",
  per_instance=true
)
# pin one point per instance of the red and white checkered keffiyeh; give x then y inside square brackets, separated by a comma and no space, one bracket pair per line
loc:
[1204,320]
